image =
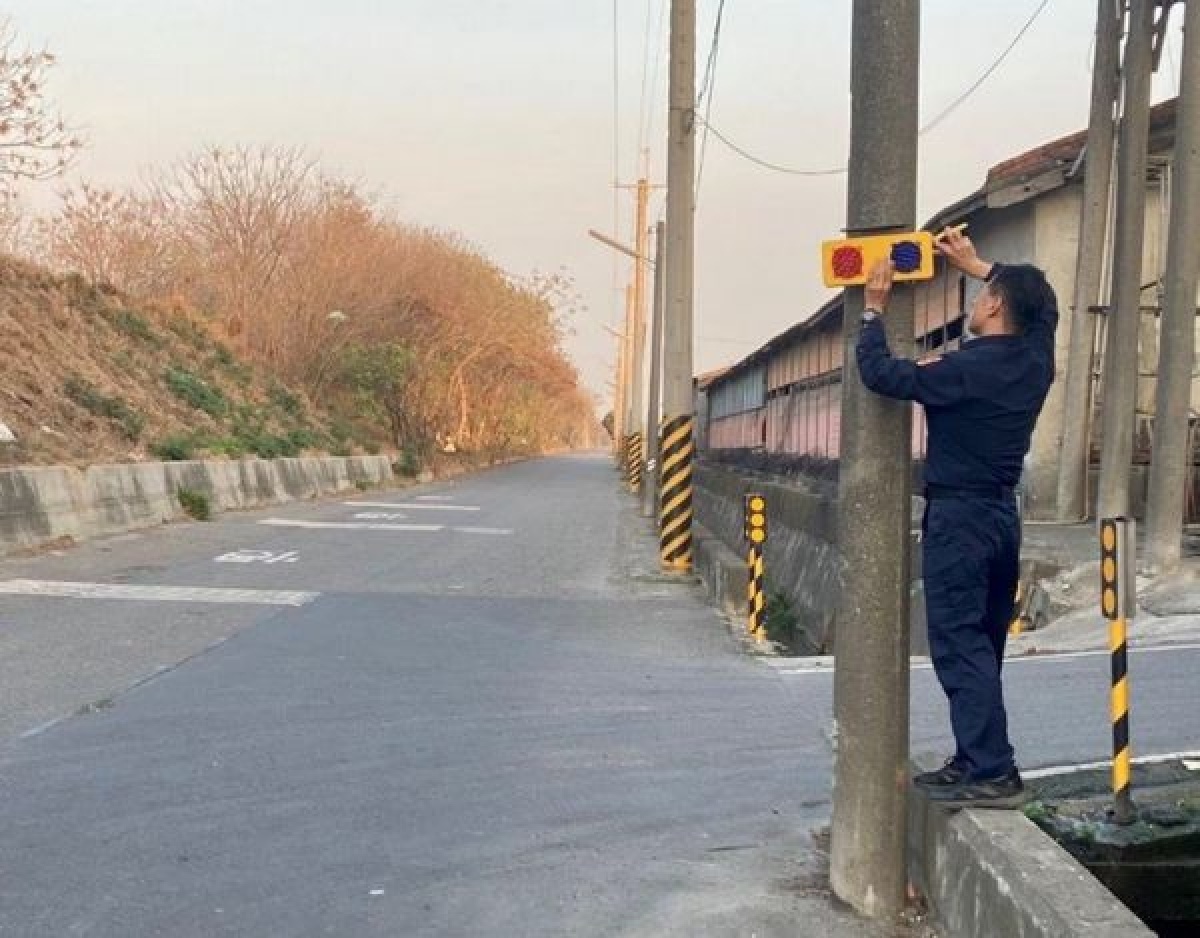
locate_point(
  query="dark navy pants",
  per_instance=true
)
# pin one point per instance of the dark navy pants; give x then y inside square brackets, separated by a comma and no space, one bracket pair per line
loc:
[971,567]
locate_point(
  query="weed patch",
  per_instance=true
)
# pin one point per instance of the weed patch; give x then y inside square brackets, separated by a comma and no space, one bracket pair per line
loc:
[197,392]
[195,504]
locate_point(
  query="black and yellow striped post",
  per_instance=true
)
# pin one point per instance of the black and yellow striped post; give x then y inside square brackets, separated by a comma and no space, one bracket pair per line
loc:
[634,468]
[678,451]
[1118,598]
[756,539]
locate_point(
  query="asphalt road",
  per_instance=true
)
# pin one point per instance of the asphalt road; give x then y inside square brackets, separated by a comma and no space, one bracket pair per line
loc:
[466,709]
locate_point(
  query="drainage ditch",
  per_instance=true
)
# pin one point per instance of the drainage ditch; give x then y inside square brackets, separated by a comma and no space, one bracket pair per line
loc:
[1151,865]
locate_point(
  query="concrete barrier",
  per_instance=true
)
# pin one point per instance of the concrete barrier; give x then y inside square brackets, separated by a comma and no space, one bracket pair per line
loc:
[41,505]
[988,873]
[801,555]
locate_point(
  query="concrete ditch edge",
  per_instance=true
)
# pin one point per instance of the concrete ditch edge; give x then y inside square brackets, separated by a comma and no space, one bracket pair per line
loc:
[988,873]
[724,573]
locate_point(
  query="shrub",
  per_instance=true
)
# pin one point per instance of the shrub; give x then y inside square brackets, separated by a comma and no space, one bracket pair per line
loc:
[409,463]
[195,504]
[130,323]
[285,400]
[197,392]
[781,620]
[302,438]
[222,356]
[188,331]
[112,407]
[173,448]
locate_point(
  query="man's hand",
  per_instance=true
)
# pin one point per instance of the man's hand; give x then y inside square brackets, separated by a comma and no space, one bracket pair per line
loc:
[957,248]
[879,285]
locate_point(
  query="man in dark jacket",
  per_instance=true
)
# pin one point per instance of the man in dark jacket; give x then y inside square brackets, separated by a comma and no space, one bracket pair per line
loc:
[981,403]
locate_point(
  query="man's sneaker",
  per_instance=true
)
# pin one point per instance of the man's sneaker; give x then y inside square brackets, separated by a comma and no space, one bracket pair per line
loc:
[949,774]
[1008,791]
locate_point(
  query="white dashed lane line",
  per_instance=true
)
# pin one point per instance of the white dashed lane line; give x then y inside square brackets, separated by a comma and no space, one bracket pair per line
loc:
[377,526]
[348,525]
[63,589]
[431,506]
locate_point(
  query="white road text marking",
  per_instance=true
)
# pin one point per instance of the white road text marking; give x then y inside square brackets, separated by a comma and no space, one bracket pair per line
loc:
[258,556]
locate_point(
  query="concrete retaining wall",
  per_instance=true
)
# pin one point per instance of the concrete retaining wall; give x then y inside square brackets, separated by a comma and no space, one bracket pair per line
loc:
[40,505]
[801,555]
[802,559]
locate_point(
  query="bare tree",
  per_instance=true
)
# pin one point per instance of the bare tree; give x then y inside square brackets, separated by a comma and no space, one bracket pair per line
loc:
[35,143]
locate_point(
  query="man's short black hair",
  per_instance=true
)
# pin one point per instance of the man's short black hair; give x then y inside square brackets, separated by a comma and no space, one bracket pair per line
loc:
[1025,292]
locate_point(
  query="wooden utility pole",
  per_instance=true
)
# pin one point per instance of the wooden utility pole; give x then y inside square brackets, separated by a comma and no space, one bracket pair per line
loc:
[677,444]
[870,698]
[1170,469]
[1089,268]
[1121,346]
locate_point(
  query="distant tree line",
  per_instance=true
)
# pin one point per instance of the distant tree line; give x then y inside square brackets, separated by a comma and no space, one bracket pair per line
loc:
[412,332]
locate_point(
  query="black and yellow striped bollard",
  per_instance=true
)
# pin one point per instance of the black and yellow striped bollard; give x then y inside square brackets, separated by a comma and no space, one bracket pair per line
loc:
[635,463]
[678,451]
[756,539]
[1118,599]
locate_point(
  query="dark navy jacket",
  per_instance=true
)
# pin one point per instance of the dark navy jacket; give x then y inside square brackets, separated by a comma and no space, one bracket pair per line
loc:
[981,401]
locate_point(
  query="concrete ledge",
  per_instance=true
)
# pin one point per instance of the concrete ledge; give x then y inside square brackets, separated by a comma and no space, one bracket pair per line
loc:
[723,572]
[41,505]
[989,873]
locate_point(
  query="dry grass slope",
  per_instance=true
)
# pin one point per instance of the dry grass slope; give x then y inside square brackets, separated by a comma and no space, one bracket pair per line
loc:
[87,379]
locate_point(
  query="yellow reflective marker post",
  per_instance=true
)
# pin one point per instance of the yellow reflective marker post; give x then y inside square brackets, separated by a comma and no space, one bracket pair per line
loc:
[755,533]
[635,463]
[677,452]
[1118,601]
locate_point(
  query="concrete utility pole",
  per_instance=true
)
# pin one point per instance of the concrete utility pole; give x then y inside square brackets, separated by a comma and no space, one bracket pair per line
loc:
[1121,352]
[1169,470]
[677,445]
[653,415]
[619,423]
[631,415]
[638,300]
[1089,267]
[870,697]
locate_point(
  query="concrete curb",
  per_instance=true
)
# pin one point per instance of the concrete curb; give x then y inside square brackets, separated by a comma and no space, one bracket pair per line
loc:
[988,873]
[43,505]
[724,574]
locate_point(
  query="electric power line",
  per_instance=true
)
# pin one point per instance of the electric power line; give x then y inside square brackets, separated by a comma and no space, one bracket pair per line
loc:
[767,164]
[650,110]
[707,92]
[954,105]
[645,74]
[946,112]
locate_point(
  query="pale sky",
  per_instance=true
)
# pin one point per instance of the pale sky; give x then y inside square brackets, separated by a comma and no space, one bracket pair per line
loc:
[495,119]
